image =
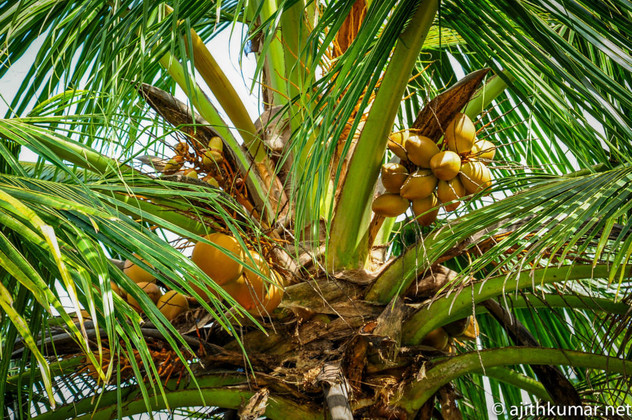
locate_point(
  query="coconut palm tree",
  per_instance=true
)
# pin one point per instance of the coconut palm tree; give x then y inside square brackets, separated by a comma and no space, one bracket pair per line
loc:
[520,295]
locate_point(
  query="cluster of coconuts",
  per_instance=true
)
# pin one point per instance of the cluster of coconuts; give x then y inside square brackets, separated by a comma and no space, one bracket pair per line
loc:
[246,286]
[205,163]
[170,304]
[429,174]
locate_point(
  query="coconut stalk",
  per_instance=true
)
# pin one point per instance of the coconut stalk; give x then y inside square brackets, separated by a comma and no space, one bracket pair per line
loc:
[352,212]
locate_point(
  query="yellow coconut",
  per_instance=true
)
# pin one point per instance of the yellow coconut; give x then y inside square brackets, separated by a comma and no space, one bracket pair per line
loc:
[253,292]
[116,289]
[256,283]
[484,150]
[393,176]
[460,134]
[475,176]
[211,159]
[420,150]
[422,208]
[173,165]
[216,263]
[271,301]
[438,339]
[272,295]
[207,293]
[136,273]
[450,192]
[216,144]
[151,289]
[389,205]
[211,181]
[472,330]
[240,290]
[445,165]
[172,304]
[419,184]
[190,173]
[247,293]
[396,143]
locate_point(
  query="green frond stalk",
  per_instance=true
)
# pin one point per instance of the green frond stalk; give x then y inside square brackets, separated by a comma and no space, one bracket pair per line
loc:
[273,58]
[450,308]
[487,93]
[348,244]
[519,380]
[219,390]
[42,141]
[445,371]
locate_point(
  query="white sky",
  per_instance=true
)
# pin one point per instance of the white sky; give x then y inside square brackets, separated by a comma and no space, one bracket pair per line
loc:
[225,47]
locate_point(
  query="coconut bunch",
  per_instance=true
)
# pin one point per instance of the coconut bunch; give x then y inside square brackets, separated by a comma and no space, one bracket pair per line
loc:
[430,174]
[204,163]
[248,287]
[170,304]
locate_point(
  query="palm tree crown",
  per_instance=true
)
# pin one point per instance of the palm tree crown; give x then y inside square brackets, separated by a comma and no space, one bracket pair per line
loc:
[353,248]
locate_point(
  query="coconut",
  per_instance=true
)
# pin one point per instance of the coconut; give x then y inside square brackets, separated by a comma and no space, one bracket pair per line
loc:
[172,304]
[396,143]
[216,263]
[207,292]
[472,330]
[458,327]
[393,176]
[116,289]
[484,150]
[475,176]
[241,291]
[211,181]
[437,338]
[256,290]
[423,210]
[136,273]
[271,300]
[449,192]
[216,144]
[419,184]
[389,205]
[190,173]
[445,165]
[252,292]
[173,165]
[211,159]
[420,150]
[151,289]
[460,134]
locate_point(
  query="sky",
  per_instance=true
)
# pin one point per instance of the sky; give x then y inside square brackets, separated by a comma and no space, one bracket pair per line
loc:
[225,47]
